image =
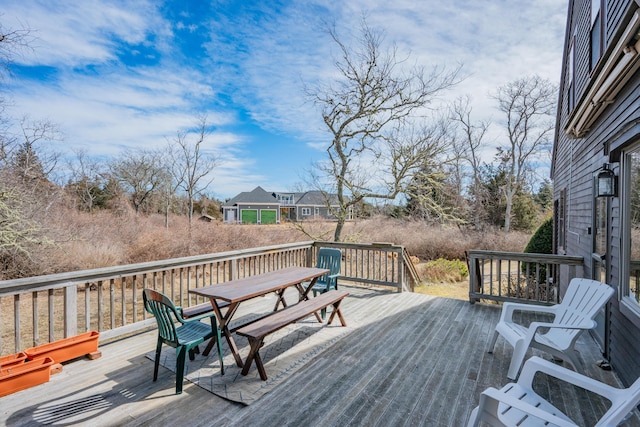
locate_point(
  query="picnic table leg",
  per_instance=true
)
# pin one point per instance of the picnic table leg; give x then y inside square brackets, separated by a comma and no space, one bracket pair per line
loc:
[304,295]
[280,295]
[255,345]
[224,330]
[336,310]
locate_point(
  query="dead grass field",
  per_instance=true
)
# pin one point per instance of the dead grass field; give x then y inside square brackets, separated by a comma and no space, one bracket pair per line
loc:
[83,241]
[458,290]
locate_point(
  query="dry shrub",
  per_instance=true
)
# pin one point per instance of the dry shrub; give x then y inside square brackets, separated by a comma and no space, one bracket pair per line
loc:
[180,240]
[444,271]
[89,241]
[83,254]
[84,241]
[432,242]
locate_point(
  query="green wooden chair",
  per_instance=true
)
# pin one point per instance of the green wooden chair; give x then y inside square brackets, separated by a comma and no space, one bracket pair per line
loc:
[330,259]
[184,337]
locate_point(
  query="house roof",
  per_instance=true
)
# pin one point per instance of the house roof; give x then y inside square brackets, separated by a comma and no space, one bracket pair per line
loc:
[314,198]
[257,195]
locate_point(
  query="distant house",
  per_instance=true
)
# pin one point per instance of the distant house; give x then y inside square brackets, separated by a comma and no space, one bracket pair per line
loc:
[253,207]
[261,207]
[596,165]
[307,205]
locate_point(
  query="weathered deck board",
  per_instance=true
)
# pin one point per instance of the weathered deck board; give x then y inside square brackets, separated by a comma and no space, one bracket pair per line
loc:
[410,360]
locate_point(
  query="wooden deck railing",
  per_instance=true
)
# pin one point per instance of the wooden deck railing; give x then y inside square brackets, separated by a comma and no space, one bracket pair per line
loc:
[523,277]
[378,264]
[37,310]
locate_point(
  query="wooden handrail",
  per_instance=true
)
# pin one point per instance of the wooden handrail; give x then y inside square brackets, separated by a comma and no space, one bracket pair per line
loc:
[50,307]
[519,276]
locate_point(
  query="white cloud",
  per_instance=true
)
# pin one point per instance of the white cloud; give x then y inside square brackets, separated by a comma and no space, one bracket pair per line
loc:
[497,42]
[76,33]
[258,61]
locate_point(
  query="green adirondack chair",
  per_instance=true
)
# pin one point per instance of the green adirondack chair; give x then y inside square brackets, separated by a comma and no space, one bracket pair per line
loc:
[184,337]
[330,259]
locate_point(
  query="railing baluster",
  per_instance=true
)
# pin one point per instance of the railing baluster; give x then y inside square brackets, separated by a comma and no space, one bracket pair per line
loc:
[16,322]
[173,284]
[189,296]
[36,319]
[51,304]
[124,300]
[112,303]
[100,307]
[181,282]
[87,307]
[134,299]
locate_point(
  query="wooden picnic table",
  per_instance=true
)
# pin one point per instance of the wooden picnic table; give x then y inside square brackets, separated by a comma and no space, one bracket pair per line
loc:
[226,297]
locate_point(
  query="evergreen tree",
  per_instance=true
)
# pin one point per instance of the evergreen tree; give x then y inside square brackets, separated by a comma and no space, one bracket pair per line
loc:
[26,164]
[493,180]
[433,197]
[544,197]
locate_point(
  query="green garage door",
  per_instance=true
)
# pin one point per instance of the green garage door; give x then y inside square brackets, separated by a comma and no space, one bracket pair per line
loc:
[267,217]
[249,216]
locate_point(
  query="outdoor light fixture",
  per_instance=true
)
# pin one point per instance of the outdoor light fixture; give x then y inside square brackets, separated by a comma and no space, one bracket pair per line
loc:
[607,185]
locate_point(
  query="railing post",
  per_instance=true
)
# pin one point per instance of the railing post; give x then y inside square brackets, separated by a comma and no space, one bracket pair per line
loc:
[70,311]
[401,276]
[310,251]
[475,278]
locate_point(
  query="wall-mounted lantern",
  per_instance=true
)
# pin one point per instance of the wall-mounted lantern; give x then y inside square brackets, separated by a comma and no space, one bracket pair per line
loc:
[607,184]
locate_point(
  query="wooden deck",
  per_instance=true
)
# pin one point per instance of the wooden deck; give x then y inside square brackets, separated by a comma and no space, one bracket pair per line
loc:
[411,359]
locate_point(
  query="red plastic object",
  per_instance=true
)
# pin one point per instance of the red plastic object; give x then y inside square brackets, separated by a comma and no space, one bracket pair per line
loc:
[67,348]
[12,359]
[24,375]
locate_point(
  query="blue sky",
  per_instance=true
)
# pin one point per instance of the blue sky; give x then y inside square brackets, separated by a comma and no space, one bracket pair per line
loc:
[120,75]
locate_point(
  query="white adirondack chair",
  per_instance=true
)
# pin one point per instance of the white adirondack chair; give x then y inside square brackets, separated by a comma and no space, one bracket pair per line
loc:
[516,404]
[575,314]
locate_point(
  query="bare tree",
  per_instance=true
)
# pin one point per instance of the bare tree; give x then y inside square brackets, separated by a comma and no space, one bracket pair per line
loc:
[168,194]
[26,154]
[21,231]
[367,111]
[140,173]
[12,43]
[21,235]
[30,155]
[191,163]
[469,141]
[86,180]
[529,105]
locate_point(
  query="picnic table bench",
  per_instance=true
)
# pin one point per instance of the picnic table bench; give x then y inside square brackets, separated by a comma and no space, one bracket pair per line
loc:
[258,330]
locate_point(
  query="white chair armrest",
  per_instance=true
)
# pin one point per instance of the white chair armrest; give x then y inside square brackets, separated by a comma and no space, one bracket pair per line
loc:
[508,308]
[533,327]
[536,364]
[585,324]
[491,394]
